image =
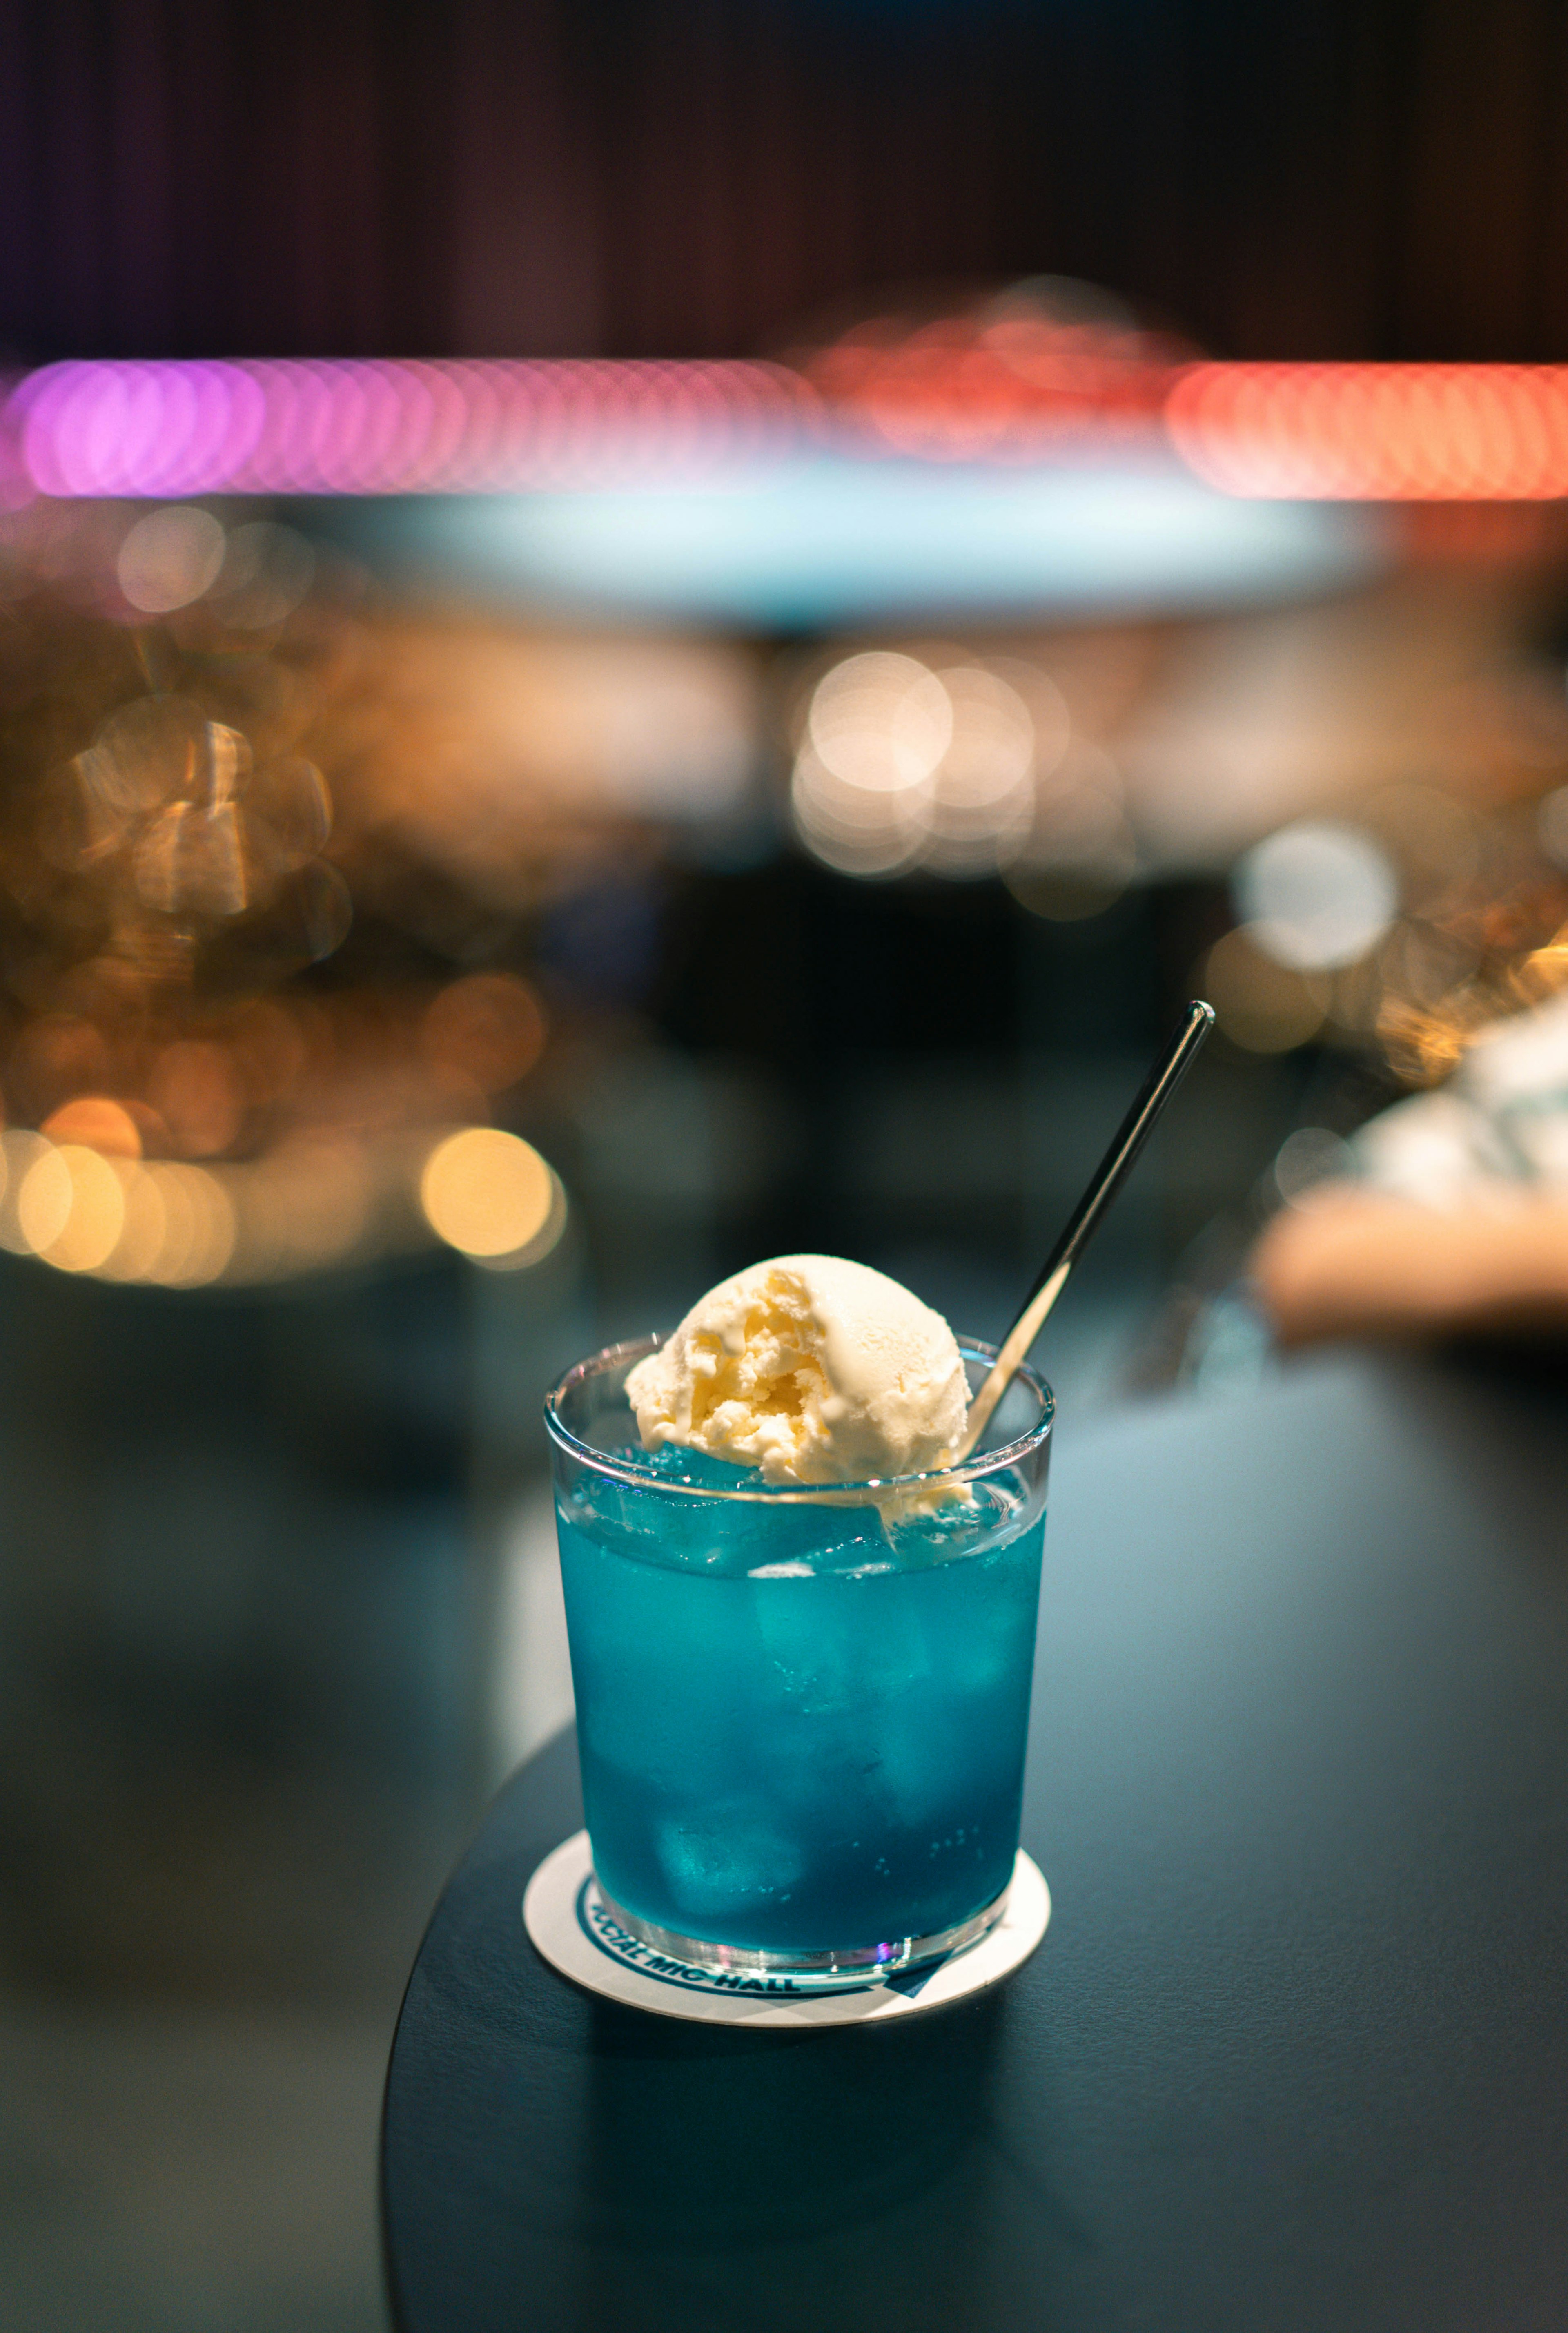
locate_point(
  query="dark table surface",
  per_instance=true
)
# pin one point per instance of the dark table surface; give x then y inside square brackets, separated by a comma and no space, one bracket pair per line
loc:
[1295,2051]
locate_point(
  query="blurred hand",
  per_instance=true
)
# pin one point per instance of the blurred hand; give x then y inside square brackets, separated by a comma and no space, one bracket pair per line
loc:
[1353,1264]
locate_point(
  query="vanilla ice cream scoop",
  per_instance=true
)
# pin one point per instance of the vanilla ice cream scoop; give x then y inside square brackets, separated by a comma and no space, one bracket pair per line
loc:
[813,1370]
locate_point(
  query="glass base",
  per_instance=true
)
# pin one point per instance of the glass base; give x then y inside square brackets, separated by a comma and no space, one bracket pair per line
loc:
[852,1966]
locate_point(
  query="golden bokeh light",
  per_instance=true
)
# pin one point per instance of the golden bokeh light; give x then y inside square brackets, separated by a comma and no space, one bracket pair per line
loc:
[181,1233]
[199,1227]
[196,1088]
[43,1200]
[1261,1005]
[20,1152]
[314,1202]
[215,1212]
[95,1212]
[487,1193]
[304,1206]
[487,1028]
[142,1238]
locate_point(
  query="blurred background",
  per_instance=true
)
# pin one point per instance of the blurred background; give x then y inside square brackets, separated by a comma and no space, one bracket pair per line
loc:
[630,638]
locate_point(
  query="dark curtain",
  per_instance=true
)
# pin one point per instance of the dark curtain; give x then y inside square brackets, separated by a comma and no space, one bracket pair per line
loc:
[1332,178]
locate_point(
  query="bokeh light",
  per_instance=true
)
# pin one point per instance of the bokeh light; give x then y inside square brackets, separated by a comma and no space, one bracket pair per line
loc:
[1379,432]
[1261,1005]
[103,1124]
[317,1199]
[144,1231]
[43,1200]
[200,1121]
[1316,895]
[1079,854]
[194,1086]
[1006,377]
[487,1193]
[383,426]
[275,1137]
[877,726]
[19,1149]
[1553,822]
[312,1203]
[979,801]
[1434,840]
[198,1227]
[880,721]
[1012,377]
[266,571]
[927,761]
[1310,1156]
[854,829]
[94,1220]
[170,558]
[487,1030]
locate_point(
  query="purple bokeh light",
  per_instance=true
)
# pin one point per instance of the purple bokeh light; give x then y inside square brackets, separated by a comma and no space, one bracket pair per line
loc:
[388,424]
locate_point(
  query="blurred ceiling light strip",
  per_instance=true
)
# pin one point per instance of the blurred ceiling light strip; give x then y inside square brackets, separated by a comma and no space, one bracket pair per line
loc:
[379,426]
[1374,432]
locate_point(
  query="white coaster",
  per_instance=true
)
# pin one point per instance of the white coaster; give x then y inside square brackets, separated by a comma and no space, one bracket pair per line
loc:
[565,1916]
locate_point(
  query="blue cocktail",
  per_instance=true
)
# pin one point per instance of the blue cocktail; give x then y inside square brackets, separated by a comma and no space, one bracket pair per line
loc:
[801,1712]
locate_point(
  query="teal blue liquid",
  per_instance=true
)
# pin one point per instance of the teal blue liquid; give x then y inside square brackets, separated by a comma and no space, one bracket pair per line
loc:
[824,1757]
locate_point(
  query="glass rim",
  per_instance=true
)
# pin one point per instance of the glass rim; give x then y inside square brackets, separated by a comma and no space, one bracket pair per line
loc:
[624,1468]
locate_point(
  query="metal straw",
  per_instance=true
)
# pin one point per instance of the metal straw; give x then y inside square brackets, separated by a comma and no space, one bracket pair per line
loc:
[1107,1179]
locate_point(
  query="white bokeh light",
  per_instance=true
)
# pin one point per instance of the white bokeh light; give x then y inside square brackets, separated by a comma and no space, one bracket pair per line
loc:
[857,830]
[880,721]
[1316,895]
[903,765]
[169,558]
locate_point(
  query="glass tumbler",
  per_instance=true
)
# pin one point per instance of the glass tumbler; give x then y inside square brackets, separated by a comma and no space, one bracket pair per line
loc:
[801,1709]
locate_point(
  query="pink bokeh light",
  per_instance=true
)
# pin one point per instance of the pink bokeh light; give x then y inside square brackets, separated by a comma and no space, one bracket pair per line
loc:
[388,426]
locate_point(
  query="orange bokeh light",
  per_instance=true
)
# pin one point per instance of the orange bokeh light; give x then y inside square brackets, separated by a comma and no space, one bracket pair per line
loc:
[98,1123]
[1374,432]
[196,1089]
[488,1029]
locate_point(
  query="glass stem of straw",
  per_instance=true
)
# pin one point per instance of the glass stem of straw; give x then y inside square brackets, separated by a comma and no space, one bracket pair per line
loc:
[1114,1168]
